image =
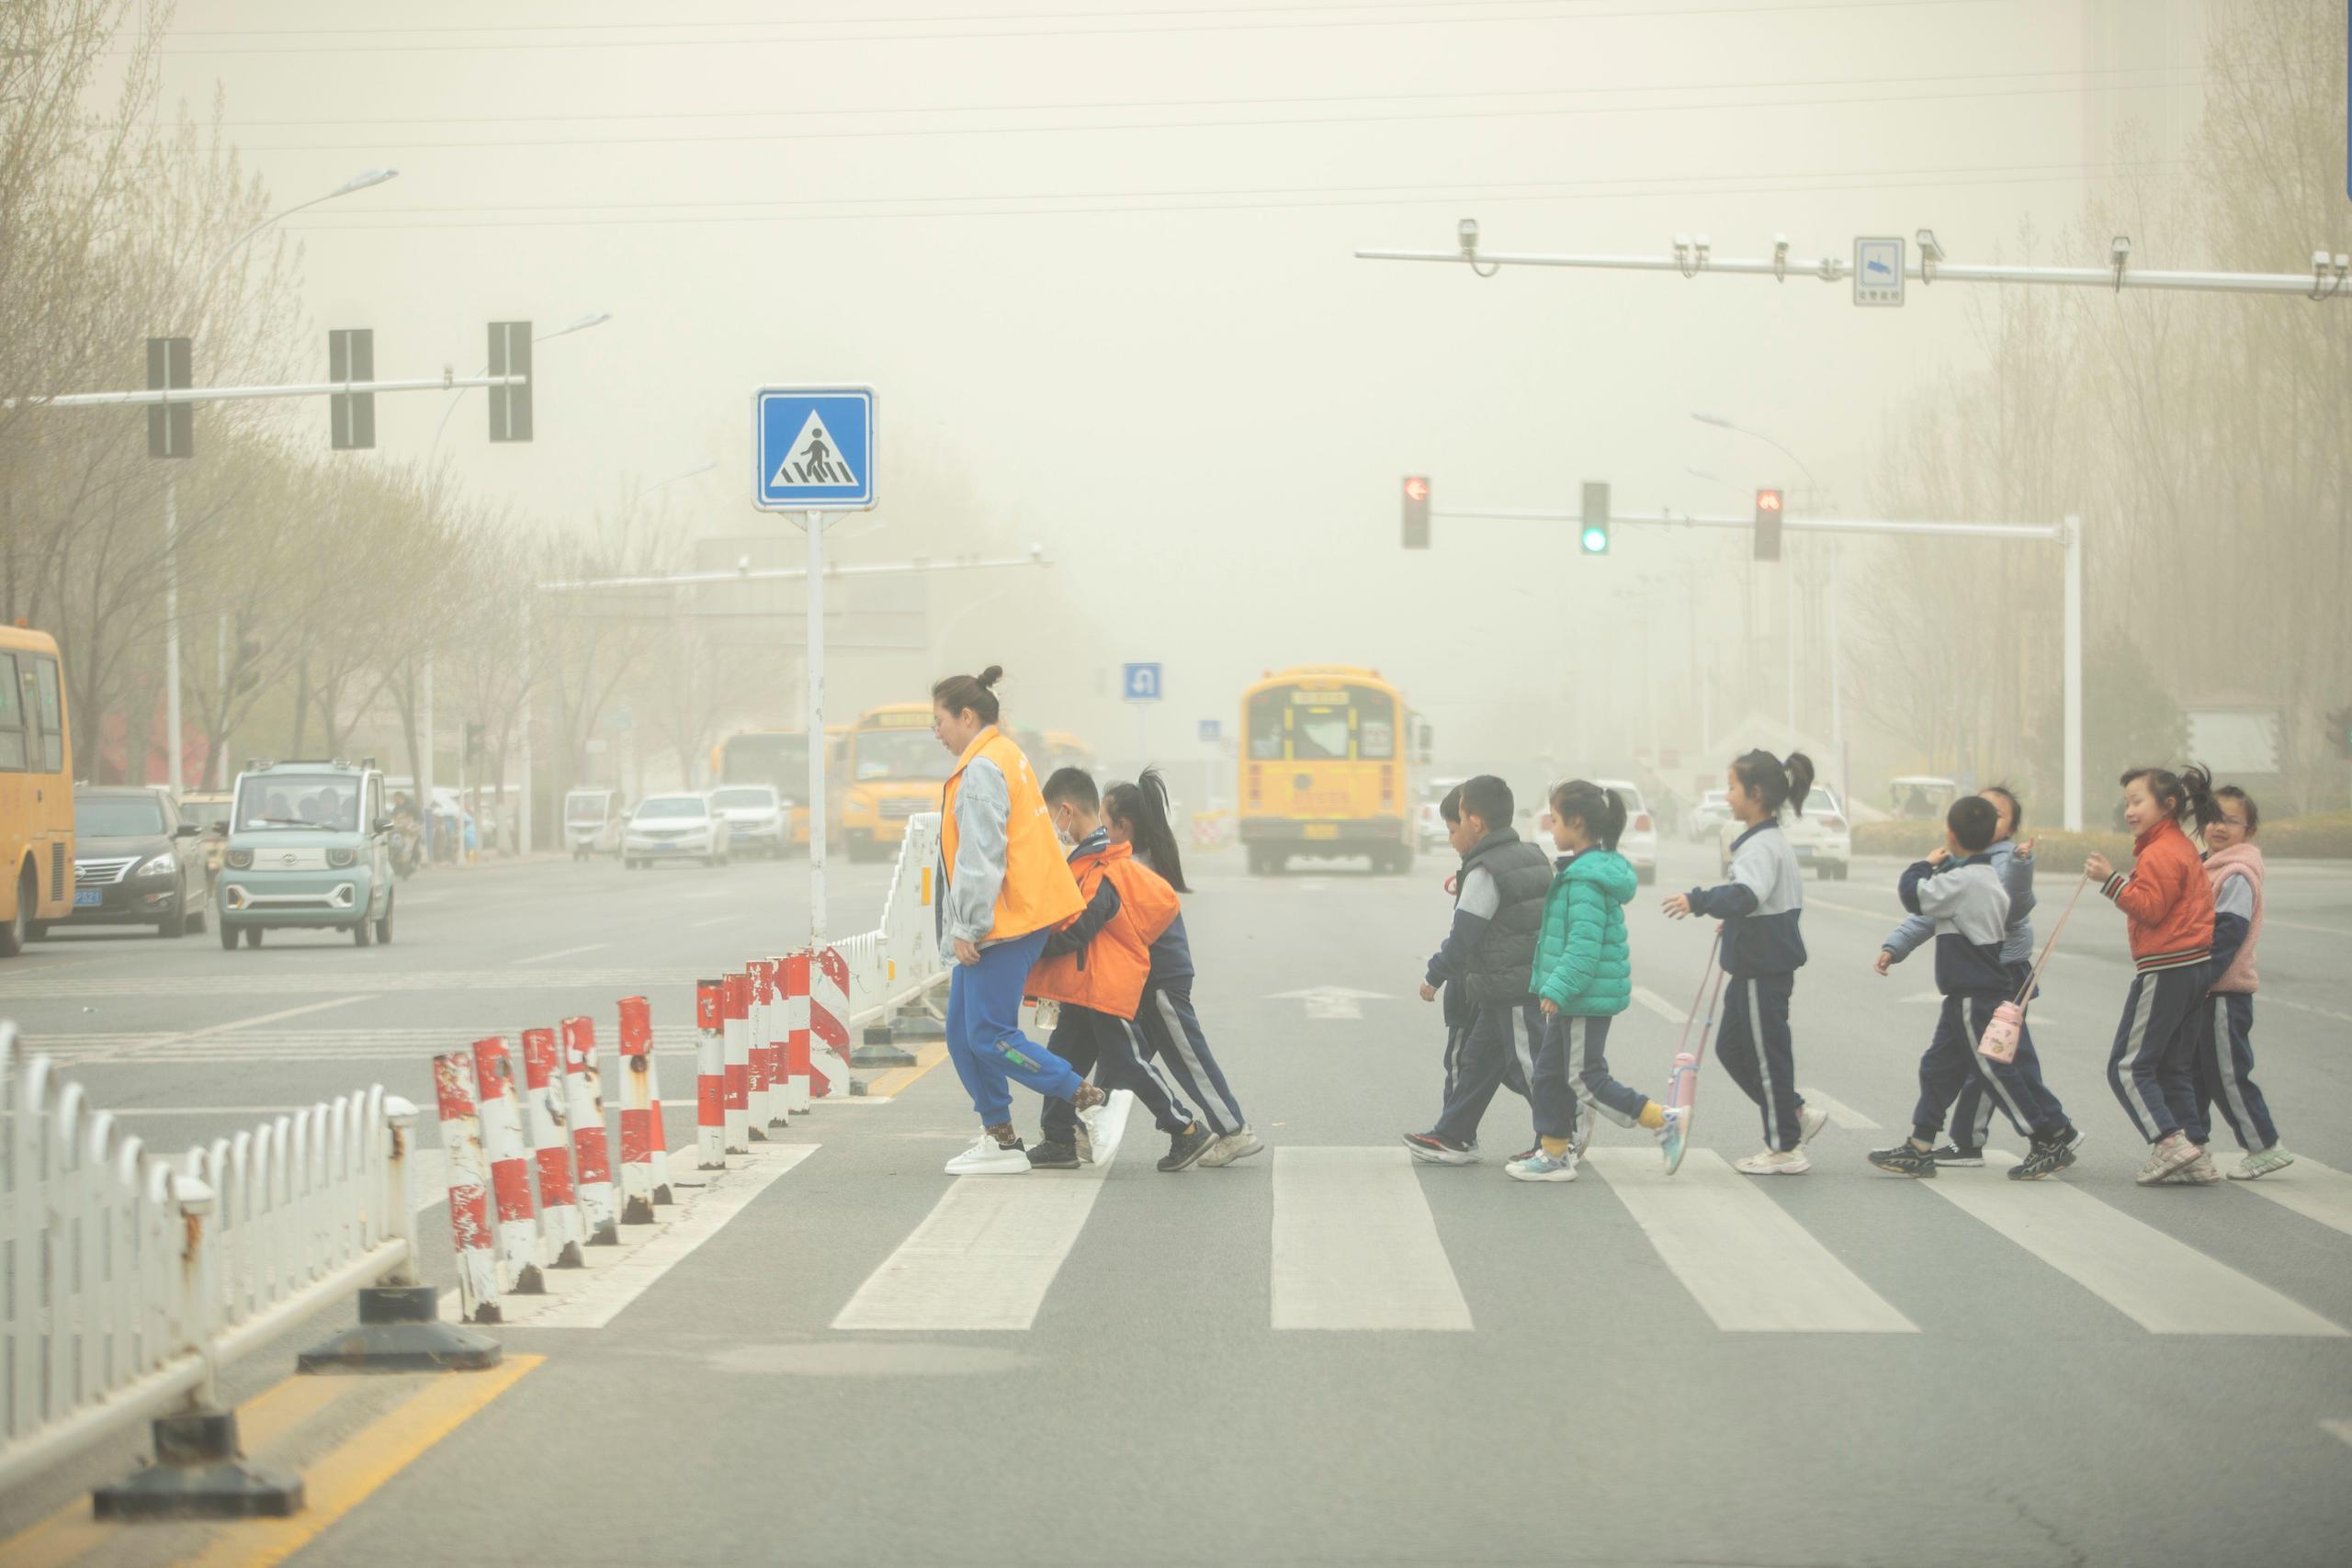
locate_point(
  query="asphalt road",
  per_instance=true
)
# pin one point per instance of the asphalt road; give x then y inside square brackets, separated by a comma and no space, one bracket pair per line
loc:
[1325,1355]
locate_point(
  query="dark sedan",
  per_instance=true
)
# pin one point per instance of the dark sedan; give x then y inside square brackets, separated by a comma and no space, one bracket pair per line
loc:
[132,860]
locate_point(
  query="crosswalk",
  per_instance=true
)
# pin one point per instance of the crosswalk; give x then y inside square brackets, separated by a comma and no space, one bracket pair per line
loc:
[1355,1246]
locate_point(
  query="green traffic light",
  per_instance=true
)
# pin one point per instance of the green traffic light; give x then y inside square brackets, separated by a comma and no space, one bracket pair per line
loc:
[1595,541]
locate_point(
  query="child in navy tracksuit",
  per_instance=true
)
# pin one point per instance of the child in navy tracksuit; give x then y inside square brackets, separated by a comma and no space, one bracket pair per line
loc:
[1961,896]
[1762,951]
[1136,814]
[1485,968]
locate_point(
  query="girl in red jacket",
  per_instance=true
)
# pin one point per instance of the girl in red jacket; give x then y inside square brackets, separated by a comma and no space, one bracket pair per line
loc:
[2168,904]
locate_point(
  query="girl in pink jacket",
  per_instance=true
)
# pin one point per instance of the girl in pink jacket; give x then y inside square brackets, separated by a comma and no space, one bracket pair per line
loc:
[2224,1047]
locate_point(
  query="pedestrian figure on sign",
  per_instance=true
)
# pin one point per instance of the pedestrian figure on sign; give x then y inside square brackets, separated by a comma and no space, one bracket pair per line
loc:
[817,465]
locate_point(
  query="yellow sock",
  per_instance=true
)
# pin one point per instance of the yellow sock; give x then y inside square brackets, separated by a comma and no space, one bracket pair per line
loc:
[1653,1116]
[1556,1146]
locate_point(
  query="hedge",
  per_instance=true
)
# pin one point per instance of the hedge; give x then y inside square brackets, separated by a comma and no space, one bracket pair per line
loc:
[2323,836]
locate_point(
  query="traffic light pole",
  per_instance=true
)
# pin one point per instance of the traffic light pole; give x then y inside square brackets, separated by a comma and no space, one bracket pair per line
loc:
[2068,535]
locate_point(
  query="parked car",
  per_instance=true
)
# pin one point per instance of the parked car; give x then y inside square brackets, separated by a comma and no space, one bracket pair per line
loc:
[1429,822]
[132,860]
[1819,834]
[1639,842]
[673,827]
[208,813]
[592,820]
[1921,798]
[1707,817]
[310,849]
[755,818]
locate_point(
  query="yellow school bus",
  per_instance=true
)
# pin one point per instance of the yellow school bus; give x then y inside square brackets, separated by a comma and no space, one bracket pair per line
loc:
[1328,755]
[1051,750]
[36,789]
[777,757]
[891,767]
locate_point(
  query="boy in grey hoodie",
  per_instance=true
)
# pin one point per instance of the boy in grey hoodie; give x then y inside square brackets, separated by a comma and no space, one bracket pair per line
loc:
[1961,894]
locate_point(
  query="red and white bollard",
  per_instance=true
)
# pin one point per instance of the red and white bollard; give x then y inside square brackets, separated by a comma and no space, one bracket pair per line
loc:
[762,1080]
[779,1054]
[711,1075]
[543,1099]
[510,1172]
[453,1087]
[589,1153]
[645,1175]
[829,1025]
[737,1016]
[797,1069]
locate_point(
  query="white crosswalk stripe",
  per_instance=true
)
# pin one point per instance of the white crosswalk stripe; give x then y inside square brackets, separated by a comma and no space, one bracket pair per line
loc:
[1355,1247]
[2311,1190]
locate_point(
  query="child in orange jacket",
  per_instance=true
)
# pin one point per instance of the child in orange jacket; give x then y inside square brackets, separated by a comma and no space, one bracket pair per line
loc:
[1094,968]
[2169,906]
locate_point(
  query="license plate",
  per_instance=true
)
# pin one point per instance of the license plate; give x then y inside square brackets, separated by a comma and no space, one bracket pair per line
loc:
[1322,829]
[88,898]
[1804,851]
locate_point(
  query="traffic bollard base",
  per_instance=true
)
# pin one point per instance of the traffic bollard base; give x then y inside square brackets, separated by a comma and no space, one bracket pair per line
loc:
[570,1257]
[637,1212]
[529,1282]
[200,1473]
[881,1052]
[399,1331]
[608,1235]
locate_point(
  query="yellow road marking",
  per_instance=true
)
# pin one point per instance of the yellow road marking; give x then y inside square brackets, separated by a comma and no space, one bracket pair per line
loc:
[899,1079]
[345,1478]
[66,1534]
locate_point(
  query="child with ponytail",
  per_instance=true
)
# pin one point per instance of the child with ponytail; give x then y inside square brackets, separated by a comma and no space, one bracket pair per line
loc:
[2167,902]
[2225,1027]
[1136,814]
[1762,951]
[1584,976]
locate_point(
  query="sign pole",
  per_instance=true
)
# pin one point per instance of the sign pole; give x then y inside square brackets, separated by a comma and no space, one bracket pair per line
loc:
[816,527]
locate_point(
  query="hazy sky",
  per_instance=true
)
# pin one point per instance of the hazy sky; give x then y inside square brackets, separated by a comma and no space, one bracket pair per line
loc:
[1096,258]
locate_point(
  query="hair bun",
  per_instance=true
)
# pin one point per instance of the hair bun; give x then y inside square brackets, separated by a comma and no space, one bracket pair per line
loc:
[992,675]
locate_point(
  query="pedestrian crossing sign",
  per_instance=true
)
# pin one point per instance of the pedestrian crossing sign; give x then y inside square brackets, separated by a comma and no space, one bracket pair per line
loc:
[812,448]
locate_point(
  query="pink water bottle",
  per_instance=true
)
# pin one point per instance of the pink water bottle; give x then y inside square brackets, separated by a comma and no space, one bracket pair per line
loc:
[2000,1041]
[1678,1086]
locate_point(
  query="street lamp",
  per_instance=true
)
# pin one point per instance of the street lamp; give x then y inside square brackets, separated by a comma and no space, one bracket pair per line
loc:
[174,742]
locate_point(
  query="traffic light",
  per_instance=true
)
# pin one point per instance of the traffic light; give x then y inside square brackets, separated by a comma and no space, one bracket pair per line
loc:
[351,416]
[473,740]
[509,355]
[1417,512]
[2339,731]
[1592,537]
[171,427]
[1767,524]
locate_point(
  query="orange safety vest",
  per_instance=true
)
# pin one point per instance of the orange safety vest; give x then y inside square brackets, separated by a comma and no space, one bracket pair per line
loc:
[1038,890]
[1108,973]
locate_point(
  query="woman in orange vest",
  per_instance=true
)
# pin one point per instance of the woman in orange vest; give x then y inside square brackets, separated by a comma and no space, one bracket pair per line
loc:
[1003,887]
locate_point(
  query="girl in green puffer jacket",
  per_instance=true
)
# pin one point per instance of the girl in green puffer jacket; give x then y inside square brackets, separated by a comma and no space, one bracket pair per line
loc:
[1584,976]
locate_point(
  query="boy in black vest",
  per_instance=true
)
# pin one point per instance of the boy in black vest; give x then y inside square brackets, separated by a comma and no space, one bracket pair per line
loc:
[1491,1017]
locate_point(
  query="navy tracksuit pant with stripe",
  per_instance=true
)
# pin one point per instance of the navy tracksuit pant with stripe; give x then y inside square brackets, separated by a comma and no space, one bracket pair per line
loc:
[2152,1068]
[1972,1113]
[1086,1039]
[1754,1049]
[1572,1069]
[2225,1073]
[1172,1037]
[1495,1050]
[1952,1062]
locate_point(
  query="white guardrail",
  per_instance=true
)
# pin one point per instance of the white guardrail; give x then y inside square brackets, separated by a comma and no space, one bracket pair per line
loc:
[128,1279]
[897,963]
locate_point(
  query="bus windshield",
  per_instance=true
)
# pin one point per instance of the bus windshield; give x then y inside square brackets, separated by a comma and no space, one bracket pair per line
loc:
[777,757]
[902,754]
[1321,724]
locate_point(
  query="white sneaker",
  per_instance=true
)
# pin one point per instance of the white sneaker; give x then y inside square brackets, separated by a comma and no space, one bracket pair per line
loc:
[989,1158]
[2166,1157]
[2261,1163]
[1772,1162]
[1809,1123]
[1083,1142]
[1239,1143]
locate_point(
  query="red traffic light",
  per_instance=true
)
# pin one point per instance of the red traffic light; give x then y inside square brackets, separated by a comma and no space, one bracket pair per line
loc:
[1417,489]
[1767,500]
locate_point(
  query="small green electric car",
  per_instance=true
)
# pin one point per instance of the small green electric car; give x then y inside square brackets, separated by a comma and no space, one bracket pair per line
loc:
[309,848]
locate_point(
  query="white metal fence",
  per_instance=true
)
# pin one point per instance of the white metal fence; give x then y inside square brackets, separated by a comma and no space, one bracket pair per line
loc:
[898,961]
[128,1279]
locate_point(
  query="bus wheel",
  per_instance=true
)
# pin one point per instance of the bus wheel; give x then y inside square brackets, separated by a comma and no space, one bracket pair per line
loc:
[18,931]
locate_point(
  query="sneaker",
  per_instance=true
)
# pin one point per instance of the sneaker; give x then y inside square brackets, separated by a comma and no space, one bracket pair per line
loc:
[1051,1156]
[2045,1160]
[1430,1149]
[1240,1144]
[1906,1158]
[2198,1172]
[1081,1143]
[1542,1167]
[1186,1147]
[1089,1099]
[1774,1162]
[1674,1135]
[2166,1157]
[2261,1163]
[1953,1155]
[1810,1122]
[1529,1152]
[989,1158]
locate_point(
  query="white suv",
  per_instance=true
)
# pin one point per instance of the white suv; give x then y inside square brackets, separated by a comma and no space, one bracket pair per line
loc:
[1819,834]
[755,815]
[673,827]
[1638,843]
